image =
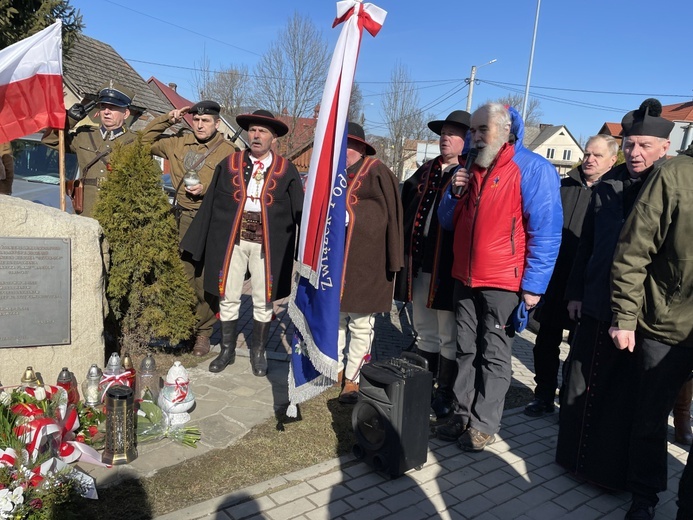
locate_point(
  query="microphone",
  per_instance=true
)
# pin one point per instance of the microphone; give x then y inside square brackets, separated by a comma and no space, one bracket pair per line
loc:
[457,191]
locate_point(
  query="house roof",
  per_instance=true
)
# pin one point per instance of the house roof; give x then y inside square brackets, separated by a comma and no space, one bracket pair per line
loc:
[678,111]
[303,134]
[92,64]
[171,96]
[612,129]
[531,133]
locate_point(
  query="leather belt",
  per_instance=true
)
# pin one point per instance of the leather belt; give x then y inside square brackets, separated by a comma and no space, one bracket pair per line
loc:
[98,182]
[251,226]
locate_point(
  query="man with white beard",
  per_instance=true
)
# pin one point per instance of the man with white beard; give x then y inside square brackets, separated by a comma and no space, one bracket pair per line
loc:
[507,232]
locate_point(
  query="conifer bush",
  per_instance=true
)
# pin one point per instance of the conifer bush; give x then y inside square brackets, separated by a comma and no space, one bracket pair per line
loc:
[147,290]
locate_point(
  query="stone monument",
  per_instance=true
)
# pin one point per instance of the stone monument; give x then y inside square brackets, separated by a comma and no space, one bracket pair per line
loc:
[78,255]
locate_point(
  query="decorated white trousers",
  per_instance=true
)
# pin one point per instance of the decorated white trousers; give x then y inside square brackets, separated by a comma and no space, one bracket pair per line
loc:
[436,331]
[247,256]
[360,340]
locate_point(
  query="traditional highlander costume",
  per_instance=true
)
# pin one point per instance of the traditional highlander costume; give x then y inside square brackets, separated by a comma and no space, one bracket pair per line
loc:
[92,144]
[185,152]
[426,278]
[373,253]
[247,222]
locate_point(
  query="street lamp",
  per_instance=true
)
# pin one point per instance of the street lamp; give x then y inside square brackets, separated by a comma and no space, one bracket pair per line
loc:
[531,61]
[471,80]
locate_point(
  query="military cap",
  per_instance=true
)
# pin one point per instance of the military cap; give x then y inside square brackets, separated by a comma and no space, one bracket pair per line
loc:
[205,107]
[647,120]
[458,118]
[114,94]
[263,118]
[355,132]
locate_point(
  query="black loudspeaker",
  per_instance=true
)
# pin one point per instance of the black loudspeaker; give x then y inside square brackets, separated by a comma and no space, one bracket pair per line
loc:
[390,420]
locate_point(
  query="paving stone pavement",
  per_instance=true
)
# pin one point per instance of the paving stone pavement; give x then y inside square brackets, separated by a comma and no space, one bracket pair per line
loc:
[514,478]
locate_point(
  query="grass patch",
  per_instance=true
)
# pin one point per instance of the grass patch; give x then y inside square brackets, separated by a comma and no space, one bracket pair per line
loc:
[276,447]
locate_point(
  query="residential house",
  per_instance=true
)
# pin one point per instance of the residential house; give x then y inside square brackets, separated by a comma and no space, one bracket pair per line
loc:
[93,64]
[556,143]
[614,130]
[682,134]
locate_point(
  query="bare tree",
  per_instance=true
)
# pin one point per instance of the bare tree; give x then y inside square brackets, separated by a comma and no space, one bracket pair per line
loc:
[534,113]
[230,89]
[202,76]
[403,118]
[290,76]
[356,105]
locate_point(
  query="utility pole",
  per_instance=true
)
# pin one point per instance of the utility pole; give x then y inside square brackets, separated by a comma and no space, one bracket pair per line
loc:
[471,81]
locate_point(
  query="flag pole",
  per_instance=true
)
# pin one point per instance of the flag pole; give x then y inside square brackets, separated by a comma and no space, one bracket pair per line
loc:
[61,166]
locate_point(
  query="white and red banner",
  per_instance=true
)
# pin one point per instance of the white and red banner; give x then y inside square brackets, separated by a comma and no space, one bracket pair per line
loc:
[31,84]
[314,307]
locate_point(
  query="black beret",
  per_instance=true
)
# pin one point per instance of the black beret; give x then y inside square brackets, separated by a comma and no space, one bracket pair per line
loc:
[647,120]
[205,107]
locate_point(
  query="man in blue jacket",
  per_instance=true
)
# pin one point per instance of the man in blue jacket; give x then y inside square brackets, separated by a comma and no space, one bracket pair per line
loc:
[507,231]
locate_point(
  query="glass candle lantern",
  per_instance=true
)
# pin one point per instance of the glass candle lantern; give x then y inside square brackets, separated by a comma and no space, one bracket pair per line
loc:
[90,386]
[148,379]
[29,378]
[67,381]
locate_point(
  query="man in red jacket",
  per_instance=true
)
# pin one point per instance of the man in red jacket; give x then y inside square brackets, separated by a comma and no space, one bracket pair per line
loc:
[507,227]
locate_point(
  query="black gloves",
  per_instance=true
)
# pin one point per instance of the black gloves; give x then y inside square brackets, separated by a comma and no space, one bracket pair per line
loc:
[79,111]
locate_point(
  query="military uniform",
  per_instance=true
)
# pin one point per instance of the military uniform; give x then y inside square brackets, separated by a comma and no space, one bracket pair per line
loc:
[175,148]
[93,145]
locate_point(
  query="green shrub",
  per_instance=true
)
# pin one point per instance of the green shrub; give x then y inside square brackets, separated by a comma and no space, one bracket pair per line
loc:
[147,291]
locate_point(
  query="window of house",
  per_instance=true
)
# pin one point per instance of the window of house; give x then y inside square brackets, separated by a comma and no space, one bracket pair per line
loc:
[566,155]
[550,153]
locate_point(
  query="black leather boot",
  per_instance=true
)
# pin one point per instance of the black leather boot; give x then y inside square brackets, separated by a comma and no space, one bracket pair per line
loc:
[444,398]
[258,360]
[228,347]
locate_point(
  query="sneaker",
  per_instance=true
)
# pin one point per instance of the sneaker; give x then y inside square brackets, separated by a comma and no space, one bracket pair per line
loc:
[640,511]
[453,430]
[474,440]
[539,408]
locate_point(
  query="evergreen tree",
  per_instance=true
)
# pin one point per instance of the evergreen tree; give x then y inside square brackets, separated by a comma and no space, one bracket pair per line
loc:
[147,290]
[20,19]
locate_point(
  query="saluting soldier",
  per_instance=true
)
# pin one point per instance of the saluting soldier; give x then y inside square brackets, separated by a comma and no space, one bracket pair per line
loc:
[197,155]
[94,144]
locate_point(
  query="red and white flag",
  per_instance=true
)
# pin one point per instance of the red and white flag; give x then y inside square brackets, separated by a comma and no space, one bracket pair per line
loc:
[31,84]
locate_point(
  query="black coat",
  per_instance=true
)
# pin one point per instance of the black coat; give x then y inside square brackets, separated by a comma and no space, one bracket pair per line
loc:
[215,230]
[575,198]
[421,195]
[589,280]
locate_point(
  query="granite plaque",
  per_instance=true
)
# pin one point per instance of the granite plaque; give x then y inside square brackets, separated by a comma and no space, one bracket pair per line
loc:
[34,291]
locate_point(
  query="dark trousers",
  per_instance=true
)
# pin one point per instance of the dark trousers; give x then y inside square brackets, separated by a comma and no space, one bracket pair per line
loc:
[547,352]
[662,369]
[194,272]
[484,354]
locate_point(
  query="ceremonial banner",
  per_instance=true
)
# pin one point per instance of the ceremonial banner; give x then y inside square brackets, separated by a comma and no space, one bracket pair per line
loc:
[31,84]
[314,306]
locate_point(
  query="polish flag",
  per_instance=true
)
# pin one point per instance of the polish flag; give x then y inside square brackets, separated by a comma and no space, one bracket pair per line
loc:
[31,84]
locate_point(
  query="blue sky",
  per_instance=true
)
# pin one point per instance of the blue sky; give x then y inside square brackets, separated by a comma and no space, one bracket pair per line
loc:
[593,60]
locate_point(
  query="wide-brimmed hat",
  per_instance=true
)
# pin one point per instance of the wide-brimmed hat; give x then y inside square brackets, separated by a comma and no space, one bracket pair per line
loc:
[115,94]
[646,120]
[355,132]
[263,118]
[458,118]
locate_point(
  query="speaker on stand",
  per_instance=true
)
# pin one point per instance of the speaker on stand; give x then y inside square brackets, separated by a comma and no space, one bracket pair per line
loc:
[390,420]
